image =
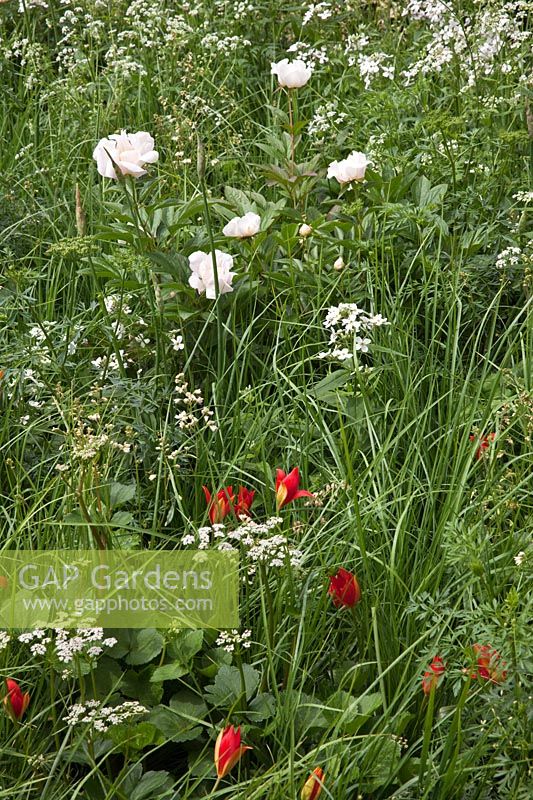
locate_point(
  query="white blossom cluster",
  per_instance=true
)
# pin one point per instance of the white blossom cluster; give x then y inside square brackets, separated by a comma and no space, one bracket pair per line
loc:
[510,257]
[29,4]
[43,341]
[349,325]
[190,407]
[228,640]
[431,11]
[239,9]
[5,638]
[325,120]
[374,66]
[479,43]
[523,197]
[100,717]
[203,536]
[322,11]
[255,540]
[66,646]
[224,44]
[311,55]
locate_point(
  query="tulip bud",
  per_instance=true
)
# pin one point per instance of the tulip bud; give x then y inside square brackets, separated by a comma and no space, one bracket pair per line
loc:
[344,589]
[339,264]
[15,702]
[313,785]
[305,230]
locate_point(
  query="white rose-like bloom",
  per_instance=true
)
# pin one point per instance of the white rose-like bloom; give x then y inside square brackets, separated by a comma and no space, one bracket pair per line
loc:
[243,227]
[203,275]
[349,169]
[291,74]
[127,151]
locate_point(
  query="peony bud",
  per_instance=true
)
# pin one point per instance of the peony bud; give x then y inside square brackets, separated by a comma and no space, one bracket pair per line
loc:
[305,230]
[339,264]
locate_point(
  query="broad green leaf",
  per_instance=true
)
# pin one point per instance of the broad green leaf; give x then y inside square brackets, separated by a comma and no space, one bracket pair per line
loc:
[169,672]
[228,685]
[146,644]
[120,493]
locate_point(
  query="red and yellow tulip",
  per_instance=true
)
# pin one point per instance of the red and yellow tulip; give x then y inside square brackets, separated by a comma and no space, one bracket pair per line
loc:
[490,665]
[287,487]
[219,506]
[313,785]
[431,678]
[228,750]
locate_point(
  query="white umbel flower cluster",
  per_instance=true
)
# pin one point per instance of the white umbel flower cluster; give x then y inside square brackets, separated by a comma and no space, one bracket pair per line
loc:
[100,717]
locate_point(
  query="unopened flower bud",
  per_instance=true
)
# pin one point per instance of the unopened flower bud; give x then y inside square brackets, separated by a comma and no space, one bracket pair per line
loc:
[305,230]
[339,264]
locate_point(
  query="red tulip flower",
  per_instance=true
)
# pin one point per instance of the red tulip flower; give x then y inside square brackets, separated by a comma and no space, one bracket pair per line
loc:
[490,665]
[344,589]
[313,785]
[15,702]
[245,498]
[219,506]
[484,443]
[228,750]
[287,487]
[431,678]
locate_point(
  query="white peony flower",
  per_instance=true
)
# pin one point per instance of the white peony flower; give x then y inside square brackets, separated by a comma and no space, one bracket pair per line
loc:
[128,152]
[203,277]
[243,227]
[291,74]
[349,169]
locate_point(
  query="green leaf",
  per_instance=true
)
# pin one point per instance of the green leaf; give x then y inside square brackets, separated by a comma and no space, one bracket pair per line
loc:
[135,737]
[106,676]
[139,685]
[186,645]
[262,707]
[326,388]
[124,638]
[228,687]
[238,200]
[174,726]
[381,763]
[120,493]
[152,785]
[189,705]
[146,644]
[213,660]
[169,672]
